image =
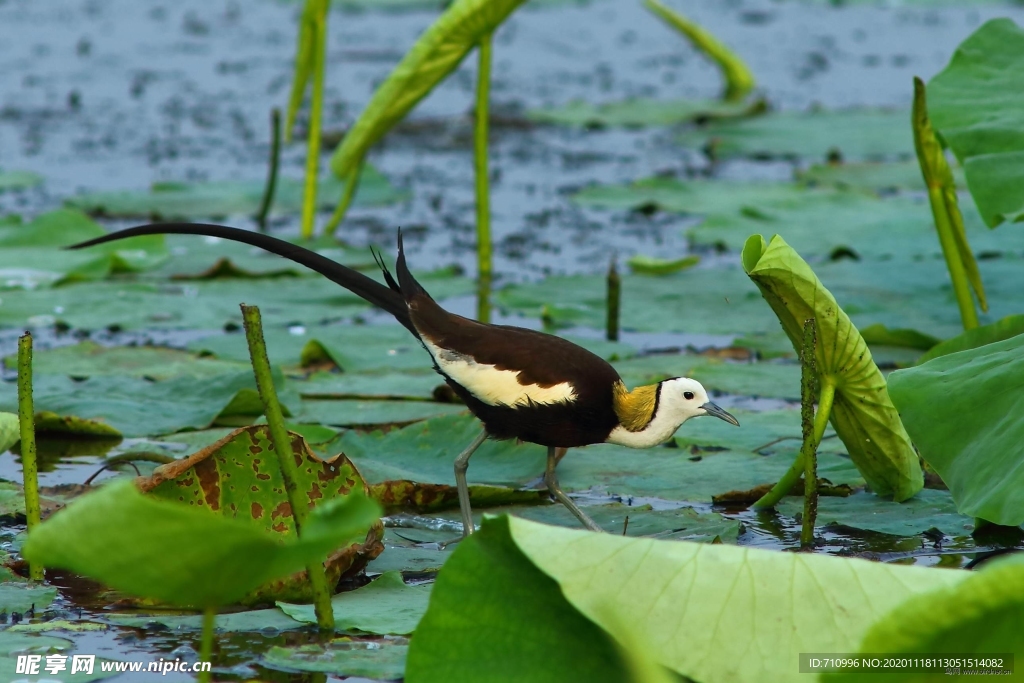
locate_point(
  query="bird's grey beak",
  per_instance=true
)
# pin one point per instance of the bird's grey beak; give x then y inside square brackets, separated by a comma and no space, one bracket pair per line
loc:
[712,409]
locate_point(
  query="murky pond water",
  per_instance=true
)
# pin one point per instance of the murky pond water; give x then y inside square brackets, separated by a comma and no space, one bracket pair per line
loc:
[118,95]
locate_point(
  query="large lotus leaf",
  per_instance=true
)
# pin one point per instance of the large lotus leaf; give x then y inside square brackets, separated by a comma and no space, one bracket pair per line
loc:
[184,201]
[89,359]
[966,413]
[386,606]
[240,478]
[641,112]
[138,407]
[981,616]
[1010,326]
[708,611]
[855,134]
[871,176]
[977,105]
[437,53]
[860,226]
[215,560]
[31,254]
[862,413]
[384,661]
[335,385]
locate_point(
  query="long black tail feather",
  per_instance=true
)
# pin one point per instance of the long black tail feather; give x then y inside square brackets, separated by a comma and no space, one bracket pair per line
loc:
[387,297]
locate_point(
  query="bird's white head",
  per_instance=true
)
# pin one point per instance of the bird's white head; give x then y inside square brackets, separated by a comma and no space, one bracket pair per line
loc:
[683,398]
[676,401]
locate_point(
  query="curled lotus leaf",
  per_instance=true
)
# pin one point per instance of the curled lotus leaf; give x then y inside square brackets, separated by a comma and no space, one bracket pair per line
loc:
[437,53]
[863,414]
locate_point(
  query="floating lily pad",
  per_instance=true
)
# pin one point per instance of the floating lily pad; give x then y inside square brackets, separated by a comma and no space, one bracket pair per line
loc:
[712,612]
[1010,326]
[965,412]
[872,176]
[765,379]
[21,597]
[240,478]
[137,407]
[184,201]
[356,413]
[647,265]
[263,620]
[976,105]
[425,452]
[10,432]
[409,559]
[19,180]
[695,196]
[386,606]
[383,661]
[58,625]
[929,509]
[679,524]
[852,134]
[336,385]
[859,226]
[31,254]
[88,359]
[642,112]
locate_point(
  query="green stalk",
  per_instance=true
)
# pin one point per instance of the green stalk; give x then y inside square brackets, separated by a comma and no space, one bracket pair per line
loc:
[275,157]
[825,398]
[809,449]
[319,42]
[483,197]
[949,223]
[351,185]
[206,643]
[614,299]
[26,423]
[283,446]
[738,78]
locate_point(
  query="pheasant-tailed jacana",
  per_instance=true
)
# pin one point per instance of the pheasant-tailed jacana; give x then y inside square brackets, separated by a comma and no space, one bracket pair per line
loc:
[520,383]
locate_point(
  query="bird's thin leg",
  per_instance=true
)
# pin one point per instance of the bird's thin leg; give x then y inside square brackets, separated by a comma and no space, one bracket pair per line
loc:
[551,479]
[461,465]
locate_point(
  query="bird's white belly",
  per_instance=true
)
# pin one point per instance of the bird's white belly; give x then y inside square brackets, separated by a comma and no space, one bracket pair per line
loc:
[493,386]
[657,432]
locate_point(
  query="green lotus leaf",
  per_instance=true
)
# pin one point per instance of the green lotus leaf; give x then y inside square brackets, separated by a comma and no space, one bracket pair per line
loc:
[180,555]
[965,412]
[539,603]
[1010,326]
[863,415]
[977,105]
[981,615]
[642,112]
[437,53]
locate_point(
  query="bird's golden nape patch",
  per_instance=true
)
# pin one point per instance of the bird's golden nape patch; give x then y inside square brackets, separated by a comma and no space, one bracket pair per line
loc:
[635,409]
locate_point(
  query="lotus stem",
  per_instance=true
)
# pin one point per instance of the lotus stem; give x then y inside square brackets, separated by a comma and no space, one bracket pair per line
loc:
[614,299]
[319,47]
[303,65]
[949,223]
[483,198]
[738,78]
[283,447]
[275,156]
[825,399]
[351,185]
[26,424]
[206,642]
[809,449]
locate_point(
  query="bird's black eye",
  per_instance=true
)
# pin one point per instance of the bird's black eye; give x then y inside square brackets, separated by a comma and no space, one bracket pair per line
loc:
[688,395]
